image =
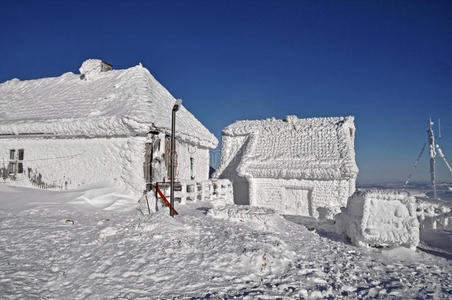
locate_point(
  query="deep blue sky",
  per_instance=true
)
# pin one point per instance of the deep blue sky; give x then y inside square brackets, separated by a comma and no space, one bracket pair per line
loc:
[388,63]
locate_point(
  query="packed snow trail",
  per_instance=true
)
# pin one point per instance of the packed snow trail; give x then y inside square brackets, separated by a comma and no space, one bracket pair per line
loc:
[208,251]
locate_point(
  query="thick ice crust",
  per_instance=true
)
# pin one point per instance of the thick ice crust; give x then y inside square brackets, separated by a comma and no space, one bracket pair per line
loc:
[380,218]
[313,148]
[114,103]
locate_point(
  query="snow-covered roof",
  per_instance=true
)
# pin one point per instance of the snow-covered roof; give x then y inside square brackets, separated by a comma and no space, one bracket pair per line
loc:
[98,102]
[313,148]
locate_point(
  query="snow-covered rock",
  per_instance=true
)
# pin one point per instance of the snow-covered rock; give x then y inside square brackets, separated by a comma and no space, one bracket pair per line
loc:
[380,218]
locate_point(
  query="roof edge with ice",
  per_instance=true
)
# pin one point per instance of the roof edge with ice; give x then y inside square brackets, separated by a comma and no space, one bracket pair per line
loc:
[97,102]
[254,164]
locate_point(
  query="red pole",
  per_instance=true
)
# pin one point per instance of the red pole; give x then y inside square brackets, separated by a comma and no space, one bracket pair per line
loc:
[174,212]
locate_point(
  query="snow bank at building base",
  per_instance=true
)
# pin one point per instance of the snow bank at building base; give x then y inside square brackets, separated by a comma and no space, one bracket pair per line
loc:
[215,191]
[380,218]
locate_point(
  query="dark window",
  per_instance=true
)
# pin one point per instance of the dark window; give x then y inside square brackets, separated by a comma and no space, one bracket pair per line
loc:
[12,168]
[20,168]
[21,154]
[12,154]
[192,171]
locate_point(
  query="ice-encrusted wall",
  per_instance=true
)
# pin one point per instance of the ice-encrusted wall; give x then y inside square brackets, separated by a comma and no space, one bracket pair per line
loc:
[72,163]
[299,197]
[380,218]
[200,158]
[232,151]
[81,161]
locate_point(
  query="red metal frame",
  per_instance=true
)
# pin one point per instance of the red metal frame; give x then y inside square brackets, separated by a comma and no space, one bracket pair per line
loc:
[164,198]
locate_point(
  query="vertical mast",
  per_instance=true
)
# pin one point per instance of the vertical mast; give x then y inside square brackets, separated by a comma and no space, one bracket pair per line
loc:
[431,140]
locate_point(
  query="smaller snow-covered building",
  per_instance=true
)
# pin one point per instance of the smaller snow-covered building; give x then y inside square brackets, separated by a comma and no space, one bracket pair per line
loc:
[296,166]
[100,126]
[384,218]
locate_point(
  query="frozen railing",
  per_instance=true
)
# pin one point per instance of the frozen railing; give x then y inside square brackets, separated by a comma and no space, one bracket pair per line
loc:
[433,213]
[207,190]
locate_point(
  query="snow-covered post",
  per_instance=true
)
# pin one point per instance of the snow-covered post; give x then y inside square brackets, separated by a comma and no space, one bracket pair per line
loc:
[431,140]
[173,149]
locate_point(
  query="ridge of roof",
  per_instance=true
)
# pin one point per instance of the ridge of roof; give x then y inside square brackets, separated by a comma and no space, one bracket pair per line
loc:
[291,122]
[115,102]
[313,148]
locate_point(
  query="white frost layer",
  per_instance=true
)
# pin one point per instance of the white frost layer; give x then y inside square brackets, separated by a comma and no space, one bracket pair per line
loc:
[295,166]
[315,198]
[312,148]
[434,214]
[118,102]
[380,218]
[254,216]
[94,198]
[74,163]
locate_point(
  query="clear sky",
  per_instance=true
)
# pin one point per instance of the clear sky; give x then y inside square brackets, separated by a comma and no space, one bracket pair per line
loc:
[388,63]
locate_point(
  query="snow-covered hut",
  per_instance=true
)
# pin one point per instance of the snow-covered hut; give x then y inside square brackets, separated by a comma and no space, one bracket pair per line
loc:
[384,218]
[99,126]
[296,166]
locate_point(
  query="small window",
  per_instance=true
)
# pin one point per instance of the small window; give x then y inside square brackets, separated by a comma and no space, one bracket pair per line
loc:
[12,154]
[21,154]
[192,171]
[20,168]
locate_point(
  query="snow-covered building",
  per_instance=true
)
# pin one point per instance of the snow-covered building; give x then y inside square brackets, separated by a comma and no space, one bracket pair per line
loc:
[383,218]
[296,166]
[99,126]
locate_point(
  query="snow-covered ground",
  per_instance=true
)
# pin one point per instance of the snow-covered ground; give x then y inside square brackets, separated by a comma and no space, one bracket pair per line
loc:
[112,251]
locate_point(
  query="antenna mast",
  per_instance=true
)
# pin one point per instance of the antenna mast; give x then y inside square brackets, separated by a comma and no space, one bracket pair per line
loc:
[431,140]
[439,128]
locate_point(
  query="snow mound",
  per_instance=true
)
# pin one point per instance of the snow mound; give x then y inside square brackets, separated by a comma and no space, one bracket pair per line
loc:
[380,218]
[399,254]
[99,197]
[107,198]
[259,217]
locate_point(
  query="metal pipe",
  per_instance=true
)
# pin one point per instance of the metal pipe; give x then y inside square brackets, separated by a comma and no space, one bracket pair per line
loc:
[173,151]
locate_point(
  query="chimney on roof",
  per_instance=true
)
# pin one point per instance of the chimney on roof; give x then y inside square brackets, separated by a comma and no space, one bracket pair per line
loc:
[105,66]
[290,118]
[93,66]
